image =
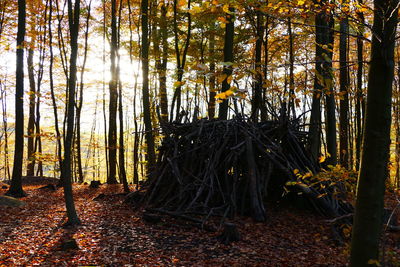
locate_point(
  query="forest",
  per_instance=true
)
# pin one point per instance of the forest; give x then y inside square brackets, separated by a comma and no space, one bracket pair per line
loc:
[199,132]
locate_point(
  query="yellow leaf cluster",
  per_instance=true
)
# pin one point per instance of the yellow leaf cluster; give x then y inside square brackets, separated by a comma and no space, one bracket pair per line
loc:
[179,83]
[224,95]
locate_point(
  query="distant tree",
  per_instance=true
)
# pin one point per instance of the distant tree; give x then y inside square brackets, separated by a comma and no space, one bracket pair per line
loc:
[16,180]
[374,162]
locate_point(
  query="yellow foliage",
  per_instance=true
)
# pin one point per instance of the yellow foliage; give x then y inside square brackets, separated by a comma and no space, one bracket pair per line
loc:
[179,84]
[224,95]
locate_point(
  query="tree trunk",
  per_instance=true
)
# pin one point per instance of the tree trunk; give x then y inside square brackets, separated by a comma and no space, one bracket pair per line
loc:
[180,62]
[73,16]
[228,57]
[374,162]
[292,95]
[359,94]
[53,98]
[15,189]
[258,79]
[151,157]
[323,83]
[211,58]
[80,100]
[121,147]
[30,168]
[330,106]
[344,94]
[113,86]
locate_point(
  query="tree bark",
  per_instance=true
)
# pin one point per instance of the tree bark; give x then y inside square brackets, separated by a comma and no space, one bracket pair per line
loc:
[323,85]
[73,17]
[151,156]
[180,61]
[53,98]
[228,57]
[258,79]
[16,180]
[113,87]
[344,93]
[30,168]
[359,95]
[374,162]
[211,58]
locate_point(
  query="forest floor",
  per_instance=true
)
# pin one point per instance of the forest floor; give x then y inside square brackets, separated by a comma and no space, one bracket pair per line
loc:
[114,234]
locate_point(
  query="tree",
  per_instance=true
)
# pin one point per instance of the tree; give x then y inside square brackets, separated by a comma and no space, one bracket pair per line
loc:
[151,157]
[344,92]
[113,86]
[228,60]
[79,103]
[374,162]
[180,58]
[66,173]
[16,180]
[323,84]
[360,105]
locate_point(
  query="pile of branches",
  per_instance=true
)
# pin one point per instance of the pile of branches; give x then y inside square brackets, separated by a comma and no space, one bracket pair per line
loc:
[225,168]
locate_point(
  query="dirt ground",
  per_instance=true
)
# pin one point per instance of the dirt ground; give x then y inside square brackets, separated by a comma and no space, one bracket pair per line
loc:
[114,234]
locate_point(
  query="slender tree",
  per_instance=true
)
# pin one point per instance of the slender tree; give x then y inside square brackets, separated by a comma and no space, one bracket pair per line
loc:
[180,58]
[16,180]
[258,79]
[211,59]
[323,84]
[113,86]
[374,162]
[30,169]
[79,103]
[359,107]
[151,157]
[66,173]
[228,59]
[344,92]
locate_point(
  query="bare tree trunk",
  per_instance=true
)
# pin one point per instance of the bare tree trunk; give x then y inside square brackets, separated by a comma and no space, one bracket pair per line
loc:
[30,169]
[374,163]
[16,180]
[5,129]
[211,58]
[180,62]
[292,95]
[151,156]
[53,98]
[228,57]
[79,103]
[258,79]
[113,86]
[73,16]
[344,93]
[359,92]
